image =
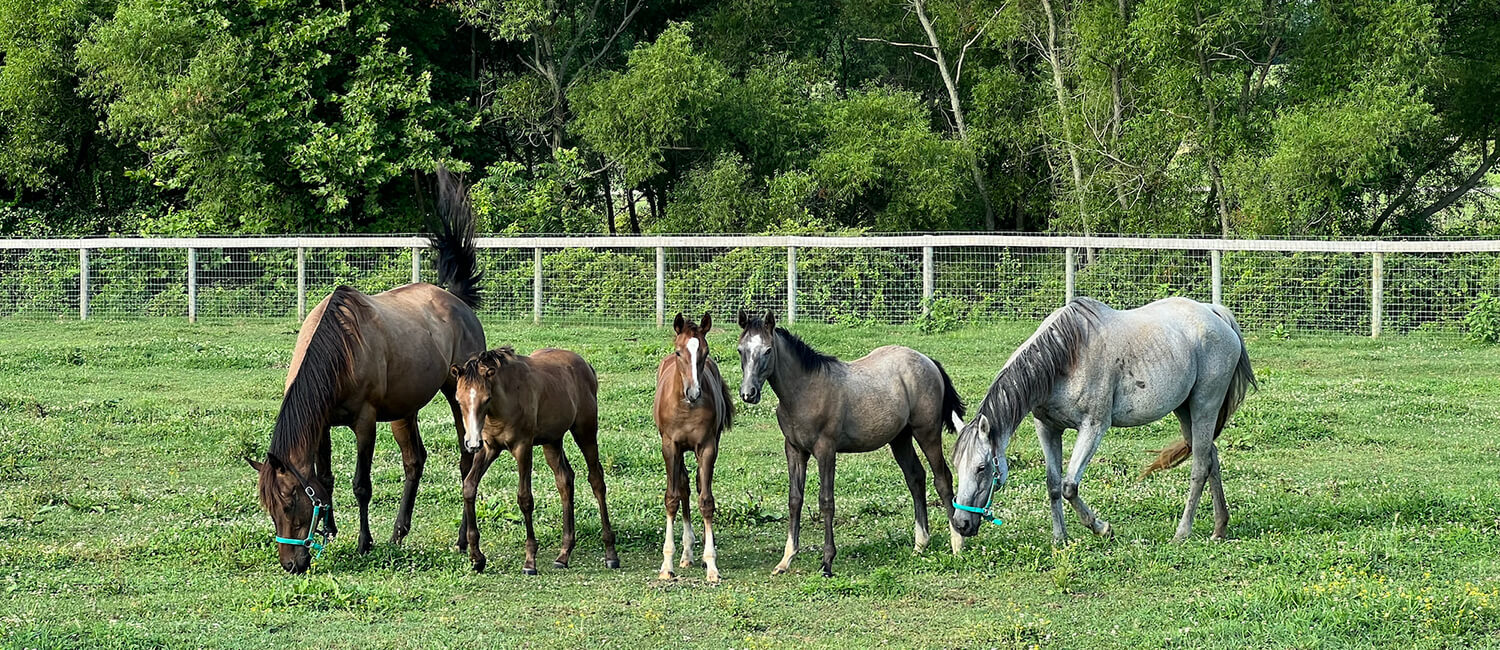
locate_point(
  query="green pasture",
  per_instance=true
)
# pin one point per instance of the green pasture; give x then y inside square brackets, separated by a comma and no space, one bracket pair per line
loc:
[1361,477]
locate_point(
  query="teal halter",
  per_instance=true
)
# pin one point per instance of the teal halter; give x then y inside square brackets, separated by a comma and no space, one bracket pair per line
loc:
[986,512]
[316,539]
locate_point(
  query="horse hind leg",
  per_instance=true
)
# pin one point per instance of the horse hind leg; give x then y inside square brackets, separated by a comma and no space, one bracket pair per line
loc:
[942,478]
[916,483]
[1203,422]
[562,472]
[413,459]
[1089,436]
[1221,508]
[587,437]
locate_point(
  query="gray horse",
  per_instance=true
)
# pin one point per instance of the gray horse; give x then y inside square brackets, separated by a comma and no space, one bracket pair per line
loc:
[1089,367]
[890,397]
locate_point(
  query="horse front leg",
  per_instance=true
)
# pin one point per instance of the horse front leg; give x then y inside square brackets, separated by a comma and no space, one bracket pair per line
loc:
[413,459]
[325,476]
[470,526]
[525,501]
[672,459]
[364,439]
[465,463]
[826,462]
[1089,435]
[1050,439]
[796,472]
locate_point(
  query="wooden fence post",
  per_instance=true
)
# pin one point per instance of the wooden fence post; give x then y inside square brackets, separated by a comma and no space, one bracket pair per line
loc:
[926,279]
[536,286]
[661,286]
[791,284]
[1377,292]
[1216,265]
[192,284]
[83,284]
[1070,266]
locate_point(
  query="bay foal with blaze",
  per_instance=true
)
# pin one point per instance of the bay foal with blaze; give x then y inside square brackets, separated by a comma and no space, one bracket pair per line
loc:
[692,409]
[513,402]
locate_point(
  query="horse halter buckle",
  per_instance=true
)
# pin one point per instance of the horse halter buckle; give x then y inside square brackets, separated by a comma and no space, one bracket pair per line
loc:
[986,512]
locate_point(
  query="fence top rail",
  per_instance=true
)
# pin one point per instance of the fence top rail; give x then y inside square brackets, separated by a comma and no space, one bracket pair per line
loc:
[781,241]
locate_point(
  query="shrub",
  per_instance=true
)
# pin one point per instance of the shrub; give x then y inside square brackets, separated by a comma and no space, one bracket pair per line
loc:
[1483,320]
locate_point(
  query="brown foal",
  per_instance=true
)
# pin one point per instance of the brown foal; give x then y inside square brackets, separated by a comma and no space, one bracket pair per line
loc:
[513,402]
[692,408]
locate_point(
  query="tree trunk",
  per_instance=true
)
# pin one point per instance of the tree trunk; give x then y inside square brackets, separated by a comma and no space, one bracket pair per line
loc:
[635,222]
[1060,91]
[1486,161]
[958,113]
[1205,69]
[609,206]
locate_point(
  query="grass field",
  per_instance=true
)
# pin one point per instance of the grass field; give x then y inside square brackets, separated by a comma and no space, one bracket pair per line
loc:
[1361,481]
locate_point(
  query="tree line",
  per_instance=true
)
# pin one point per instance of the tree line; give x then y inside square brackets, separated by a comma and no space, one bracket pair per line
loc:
[1223,117]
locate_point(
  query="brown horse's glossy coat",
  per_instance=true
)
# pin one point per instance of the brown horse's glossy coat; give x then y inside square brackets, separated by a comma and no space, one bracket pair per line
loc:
[692,409]
[514,402]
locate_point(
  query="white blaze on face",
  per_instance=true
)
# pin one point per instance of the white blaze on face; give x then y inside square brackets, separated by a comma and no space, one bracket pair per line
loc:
[473,420]
[692,346]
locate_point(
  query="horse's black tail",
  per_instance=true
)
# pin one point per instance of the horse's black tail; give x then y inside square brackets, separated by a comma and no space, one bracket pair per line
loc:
[457,262]
[953,405]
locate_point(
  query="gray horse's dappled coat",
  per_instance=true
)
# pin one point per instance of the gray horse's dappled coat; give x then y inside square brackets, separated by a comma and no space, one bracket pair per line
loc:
[1089,367]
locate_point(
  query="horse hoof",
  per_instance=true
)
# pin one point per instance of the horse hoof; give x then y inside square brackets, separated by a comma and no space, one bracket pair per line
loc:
[778,571]
[612,564]
[685,564]
[479,565]
[559,565]
[528,571]
[827,573]
[666,575]
[1106,530]
[713,577]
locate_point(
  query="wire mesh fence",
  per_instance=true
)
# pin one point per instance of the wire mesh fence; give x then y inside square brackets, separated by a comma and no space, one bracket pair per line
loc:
[1292,286]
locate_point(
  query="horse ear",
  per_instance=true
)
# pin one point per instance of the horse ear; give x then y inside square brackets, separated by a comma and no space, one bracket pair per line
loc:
[771,319]
[678,323]
[275,462]
[706,324]
[455,371]
[744,319]
[254,465]
[486,370]
[984,425]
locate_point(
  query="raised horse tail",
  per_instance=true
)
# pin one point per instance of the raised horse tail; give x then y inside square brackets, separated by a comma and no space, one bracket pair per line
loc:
[1243,380]
[953,405]
[457,263]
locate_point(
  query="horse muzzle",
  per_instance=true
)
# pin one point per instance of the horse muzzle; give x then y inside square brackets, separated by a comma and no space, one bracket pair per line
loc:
[966,523]
[751,397]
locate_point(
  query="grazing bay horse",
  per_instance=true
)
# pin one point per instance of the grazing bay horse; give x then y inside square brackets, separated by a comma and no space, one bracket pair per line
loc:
[692,409]
[363,359]
[513,402]
[1089,367]
[890,397]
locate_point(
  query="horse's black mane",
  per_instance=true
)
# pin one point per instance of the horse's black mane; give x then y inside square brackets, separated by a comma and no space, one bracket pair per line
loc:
[810,359]
[1029,375]
[326,364]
